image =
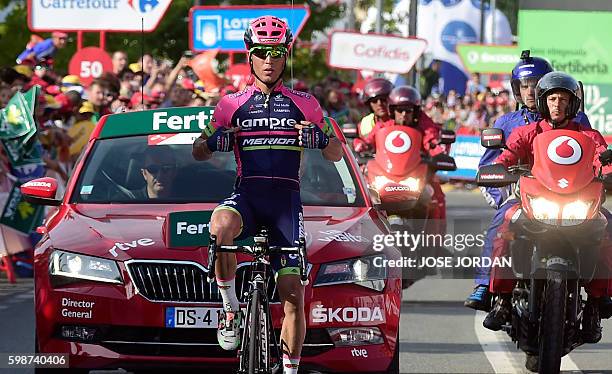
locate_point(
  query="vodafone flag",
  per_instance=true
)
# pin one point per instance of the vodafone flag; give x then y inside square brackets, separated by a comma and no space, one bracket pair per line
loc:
[384,53]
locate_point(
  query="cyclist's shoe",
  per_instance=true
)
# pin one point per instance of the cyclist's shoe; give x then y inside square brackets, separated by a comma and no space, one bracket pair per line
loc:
[591,323]
[228,333]
[499,315]
[605,307]
[480,299]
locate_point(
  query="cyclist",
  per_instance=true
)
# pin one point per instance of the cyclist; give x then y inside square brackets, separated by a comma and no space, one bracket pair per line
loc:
[267,126]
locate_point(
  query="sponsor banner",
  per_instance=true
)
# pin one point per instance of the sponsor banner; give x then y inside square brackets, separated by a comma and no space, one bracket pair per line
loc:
[583,52]
[184,138]
[19,214]
[467,152]
[96,15]
[598,107]
[223,27]
[583,49]
[488,59]
[191,229]
[160,121]
[387,53]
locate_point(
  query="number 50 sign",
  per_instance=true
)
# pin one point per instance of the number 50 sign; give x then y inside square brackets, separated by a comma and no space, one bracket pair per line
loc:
[90,63]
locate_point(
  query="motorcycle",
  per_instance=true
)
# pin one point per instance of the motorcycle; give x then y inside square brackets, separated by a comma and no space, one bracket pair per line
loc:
[400,175]
[399,179]
[555,236]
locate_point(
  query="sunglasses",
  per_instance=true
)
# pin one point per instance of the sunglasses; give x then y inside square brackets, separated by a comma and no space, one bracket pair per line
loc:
[404,109]
[264,51]
[156,169]
[381,99]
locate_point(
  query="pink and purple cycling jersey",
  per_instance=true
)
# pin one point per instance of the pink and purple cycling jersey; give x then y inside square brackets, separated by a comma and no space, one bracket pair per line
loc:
[267,144]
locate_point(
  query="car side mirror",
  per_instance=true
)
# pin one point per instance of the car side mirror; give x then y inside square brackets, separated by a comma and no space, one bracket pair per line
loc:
[447,137]
[41,191]
[492,138]
[349,130]
[443,162]
[495,175]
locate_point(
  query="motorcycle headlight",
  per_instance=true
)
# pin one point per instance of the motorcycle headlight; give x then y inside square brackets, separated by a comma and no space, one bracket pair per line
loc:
[79,266]
[544,210]
[412,183]
[364,271]
[380,181]
[575,212]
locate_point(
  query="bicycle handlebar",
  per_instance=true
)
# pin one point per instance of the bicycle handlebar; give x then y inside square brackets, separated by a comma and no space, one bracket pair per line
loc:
[258,250]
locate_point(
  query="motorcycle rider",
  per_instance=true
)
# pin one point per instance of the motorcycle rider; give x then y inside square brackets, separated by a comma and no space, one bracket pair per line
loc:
[376,96]
[557,101]
[525,76]
[267,189]
[405,108]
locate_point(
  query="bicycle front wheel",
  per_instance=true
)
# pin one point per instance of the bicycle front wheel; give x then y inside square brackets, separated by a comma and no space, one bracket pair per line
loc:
[254,334]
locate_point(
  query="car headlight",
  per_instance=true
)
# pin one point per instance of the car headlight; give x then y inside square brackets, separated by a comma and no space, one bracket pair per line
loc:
[412,183]
[361,271]
[380,181]
[575,212]
[79,266]
[544,210]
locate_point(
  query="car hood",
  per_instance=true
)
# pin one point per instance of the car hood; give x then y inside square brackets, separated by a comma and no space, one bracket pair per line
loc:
[124,232]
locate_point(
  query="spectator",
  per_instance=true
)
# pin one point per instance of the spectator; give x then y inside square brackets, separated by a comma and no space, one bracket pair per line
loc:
[5,94]
[430,78]
[43,50]
[120,61]
[473,85]
[97,99]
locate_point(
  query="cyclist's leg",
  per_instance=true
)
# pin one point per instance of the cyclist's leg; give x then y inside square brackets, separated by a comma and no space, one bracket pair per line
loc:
[286,228]
[230,220]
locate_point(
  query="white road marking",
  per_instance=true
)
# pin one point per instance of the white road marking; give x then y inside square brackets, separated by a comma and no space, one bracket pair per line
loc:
[495,349]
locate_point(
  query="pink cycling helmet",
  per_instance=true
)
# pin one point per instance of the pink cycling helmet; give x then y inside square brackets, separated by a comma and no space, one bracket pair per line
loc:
[267,30]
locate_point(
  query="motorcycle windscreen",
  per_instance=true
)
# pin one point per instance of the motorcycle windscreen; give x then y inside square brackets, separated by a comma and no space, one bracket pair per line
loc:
[398,149]
[563,160]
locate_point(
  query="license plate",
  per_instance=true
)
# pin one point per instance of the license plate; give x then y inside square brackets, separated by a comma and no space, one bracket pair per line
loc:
[192,317]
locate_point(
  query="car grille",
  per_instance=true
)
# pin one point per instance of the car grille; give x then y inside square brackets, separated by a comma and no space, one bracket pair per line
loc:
[175,281]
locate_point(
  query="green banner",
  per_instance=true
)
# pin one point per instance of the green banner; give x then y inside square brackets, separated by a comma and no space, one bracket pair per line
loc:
[19,214]
[488,59]
[162,121]
[17,119]
[191,229]
[577,43]
[188,229]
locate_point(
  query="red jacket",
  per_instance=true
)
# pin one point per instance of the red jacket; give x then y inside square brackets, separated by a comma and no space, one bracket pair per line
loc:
[427,127]
[521,142]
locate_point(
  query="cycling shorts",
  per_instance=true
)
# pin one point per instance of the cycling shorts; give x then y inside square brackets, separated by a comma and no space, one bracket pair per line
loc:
[263,203]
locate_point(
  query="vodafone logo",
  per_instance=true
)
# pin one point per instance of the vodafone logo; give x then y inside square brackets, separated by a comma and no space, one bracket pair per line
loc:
[564,150]
[398,142]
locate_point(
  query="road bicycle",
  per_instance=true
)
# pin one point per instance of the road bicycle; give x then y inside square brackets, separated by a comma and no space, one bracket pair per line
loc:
[257,335]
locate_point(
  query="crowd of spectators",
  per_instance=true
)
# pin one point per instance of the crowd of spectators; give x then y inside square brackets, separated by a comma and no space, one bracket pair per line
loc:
[66,104]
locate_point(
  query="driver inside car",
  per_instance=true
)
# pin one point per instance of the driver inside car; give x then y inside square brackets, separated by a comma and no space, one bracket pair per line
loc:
[159,172]
[558,102]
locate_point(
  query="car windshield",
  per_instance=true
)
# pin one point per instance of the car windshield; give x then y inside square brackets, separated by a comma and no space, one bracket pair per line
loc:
[137,170]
